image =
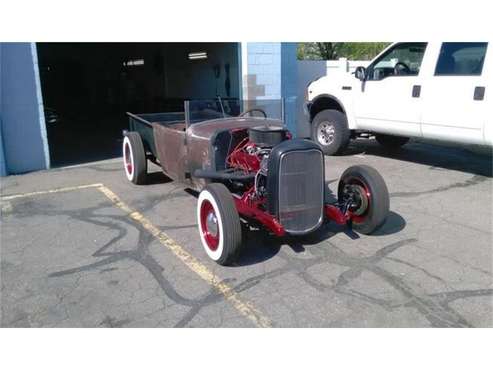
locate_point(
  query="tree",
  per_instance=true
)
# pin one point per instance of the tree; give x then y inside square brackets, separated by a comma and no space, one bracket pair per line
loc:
[336,50]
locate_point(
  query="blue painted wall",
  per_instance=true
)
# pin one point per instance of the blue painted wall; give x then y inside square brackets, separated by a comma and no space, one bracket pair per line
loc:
[3,170]
[289,84]
[21,133]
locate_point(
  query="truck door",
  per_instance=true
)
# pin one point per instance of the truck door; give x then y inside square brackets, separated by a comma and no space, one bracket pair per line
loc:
[454,95]
[388,100]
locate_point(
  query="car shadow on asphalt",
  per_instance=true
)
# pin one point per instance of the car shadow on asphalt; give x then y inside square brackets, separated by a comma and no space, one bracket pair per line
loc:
[157,177]
[259,245]
[437,157]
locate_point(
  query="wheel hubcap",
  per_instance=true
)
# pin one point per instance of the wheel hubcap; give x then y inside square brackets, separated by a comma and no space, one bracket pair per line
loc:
[209,225]
[211,222]
[127,159]
[359,194]
[326,133]
[361,200]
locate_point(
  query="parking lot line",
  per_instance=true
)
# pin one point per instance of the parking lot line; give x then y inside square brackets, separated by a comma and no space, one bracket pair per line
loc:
[244,307]
[51,191]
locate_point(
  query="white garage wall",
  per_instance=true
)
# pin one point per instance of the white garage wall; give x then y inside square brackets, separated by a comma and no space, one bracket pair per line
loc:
[269,74]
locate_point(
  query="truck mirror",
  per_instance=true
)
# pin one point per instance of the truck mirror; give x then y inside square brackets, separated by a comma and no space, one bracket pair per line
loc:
[360,73]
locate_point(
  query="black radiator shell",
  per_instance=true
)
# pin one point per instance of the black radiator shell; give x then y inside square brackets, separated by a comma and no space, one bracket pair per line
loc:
[273,168]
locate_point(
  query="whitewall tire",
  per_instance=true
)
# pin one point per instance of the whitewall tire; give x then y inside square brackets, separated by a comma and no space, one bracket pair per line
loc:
[134,158]
[219,223]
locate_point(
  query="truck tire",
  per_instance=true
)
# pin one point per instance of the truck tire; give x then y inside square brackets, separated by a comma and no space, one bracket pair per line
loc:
[371,194]
[330,131]
[134,158]
[391,141]
[219,224]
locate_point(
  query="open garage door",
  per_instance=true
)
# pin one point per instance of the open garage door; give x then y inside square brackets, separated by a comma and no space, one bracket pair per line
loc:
[88,87]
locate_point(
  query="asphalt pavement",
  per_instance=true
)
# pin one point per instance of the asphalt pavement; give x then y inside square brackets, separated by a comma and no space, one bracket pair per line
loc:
[83,247]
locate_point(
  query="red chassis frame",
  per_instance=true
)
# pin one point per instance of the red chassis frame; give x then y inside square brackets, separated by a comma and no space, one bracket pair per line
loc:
[248,206]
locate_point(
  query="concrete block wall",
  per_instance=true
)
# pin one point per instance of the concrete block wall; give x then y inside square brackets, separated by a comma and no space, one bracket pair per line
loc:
[23,133]
[262,79]
[269,72]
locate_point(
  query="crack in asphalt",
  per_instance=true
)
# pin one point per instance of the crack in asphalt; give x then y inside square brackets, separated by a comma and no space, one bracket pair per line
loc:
[474,180]
[434,307]
[140,255]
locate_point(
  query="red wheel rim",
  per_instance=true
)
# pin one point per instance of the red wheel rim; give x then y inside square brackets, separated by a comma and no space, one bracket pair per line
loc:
[367,194]
[209,225]
[127,158]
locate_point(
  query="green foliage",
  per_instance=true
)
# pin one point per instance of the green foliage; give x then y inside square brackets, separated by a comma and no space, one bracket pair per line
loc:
[336,50]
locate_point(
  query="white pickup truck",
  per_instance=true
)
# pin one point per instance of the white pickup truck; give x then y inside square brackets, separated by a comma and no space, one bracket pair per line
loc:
[429,90]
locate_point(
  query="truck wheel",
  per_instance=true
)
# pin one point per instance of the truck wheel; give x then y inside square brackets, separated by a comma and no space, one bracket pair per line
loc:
[391,141]
[134,158]
[370,197]
[330,131]
[219,223]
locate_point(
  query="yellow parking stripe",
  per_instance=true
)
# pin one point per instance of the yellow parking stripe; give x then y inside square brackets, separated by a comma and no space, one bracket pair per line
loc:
[245,308]
[58,190]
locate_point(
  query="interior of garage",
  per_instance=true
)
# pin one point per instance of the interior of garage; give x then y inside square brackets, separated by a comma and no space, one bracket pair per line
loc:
[88,87]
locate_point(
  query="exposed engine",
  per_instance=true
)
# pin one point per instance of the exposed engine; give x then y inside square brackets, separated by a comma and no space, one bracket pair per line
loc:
[267,136]
[251,154]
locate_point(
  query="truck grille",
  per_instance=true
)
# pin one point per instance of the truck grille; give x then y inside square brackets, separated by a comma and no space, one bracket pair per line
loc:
[301,190]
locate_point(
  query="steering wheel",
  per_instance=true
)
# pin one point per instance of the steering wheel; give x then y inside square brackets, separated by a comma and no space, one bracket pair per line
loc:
[405,68]
[253,110]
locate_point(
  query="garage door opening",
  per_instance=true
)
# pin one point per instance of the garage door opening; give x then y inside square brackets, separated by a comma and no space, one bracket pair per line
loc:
[88,87]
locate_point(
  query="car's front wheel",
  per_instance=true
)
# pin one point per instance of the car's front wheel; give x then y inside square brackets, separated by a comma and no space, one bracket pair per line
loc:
[367,192]
[219,223]
[330,131]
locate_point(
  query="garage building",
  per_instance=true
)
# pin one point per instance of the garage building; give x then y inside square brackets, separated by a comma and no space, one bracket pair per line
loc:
[65,103]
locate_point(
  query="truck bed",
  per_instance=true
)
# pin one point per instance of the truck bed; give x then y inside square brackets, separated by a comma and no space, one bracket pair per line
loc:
[143,124]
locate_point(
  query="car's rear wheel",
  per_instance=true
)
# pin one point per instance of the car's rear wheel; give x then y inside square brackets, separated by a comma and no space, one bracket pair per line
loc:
[330,131]
[219,224]
[370,197]
[391,141]
[134,158]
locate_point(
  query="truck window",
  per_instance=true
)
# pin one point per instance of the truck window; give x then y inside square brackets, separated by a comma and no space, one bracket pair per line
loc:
[402,60]
[461,59]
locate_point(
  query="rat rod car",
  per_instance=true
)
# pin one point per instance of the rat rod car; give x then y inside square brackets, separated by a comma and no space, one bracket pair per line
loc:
[247,165]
